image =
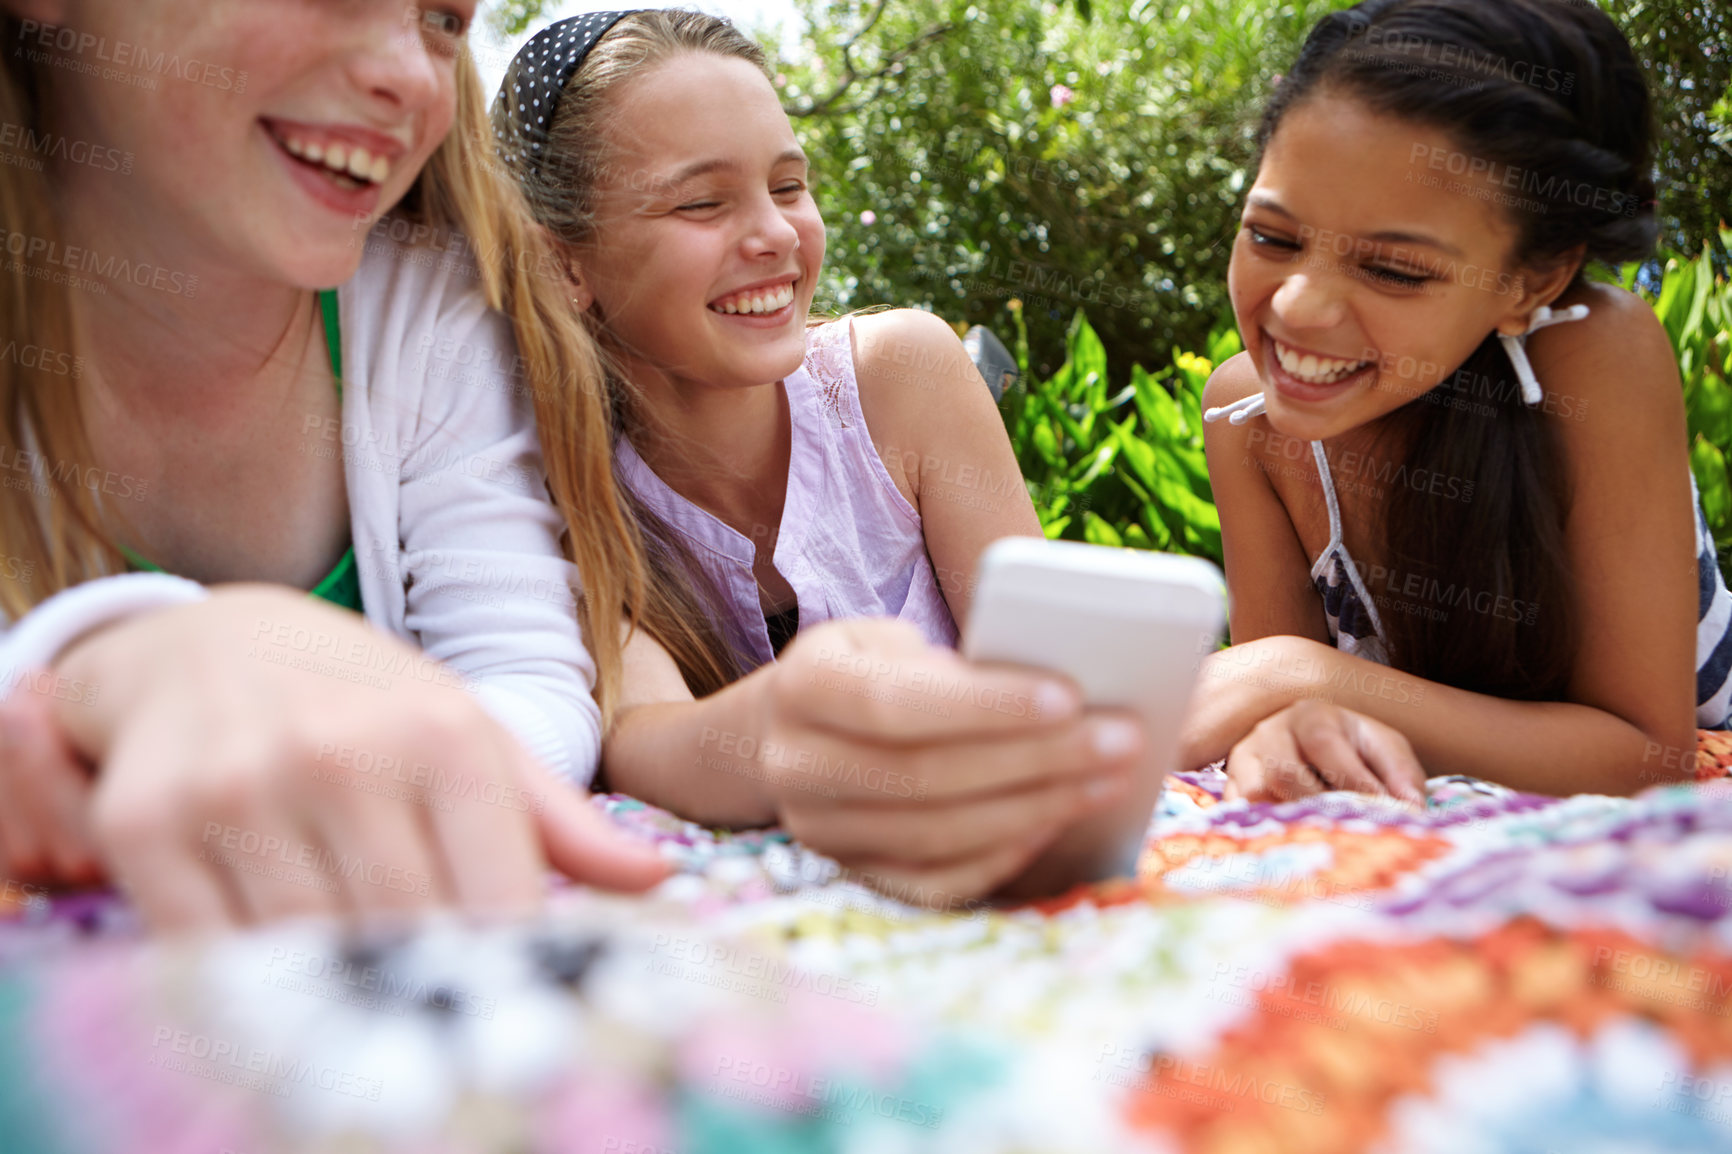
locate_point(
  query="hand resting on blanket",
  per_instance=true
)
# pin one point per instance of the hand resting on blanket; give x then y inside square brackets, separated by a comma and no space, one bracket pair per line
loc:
[219,802]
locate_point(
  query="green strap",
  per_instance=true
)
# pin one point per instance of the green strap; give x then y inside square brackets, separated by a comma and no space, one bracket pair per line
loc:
[138,562]
[333,336]
[342,585]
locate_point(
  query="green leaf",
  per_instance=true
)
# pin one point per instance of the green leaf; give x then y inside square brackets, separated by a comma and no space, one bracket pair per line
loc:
[1161,416]
[1708,407]
[1192,404]
[1101,462]
[1138,454]
[1120,397]
[1159,536]
[511,17]
[1709,465]
[1088,360]
[1045,442]
[1224,343]
[1081,436]
[1098,532]
[1704,277]
[1677,286]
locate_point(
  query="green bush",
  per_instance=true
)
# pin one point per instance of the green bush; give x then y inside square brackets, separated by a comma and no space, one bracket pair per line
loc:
[971,152]
[1118,466]
[1695,305]
[1685,47]
[1093,156]
[1008,149]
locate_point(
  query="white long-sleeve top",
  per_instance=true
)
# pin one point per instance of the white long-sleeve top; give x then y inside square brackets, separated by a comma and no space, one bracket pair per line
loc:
[456,541]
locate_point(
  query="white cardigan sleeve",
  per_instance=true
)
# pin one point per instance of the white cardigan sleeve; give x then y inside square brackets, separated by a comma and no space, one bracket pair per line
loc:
[470,567]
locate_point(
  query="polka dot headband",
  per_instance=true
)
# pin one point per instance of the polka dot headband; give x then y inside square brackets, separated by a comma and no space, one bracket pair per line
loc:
[524,109]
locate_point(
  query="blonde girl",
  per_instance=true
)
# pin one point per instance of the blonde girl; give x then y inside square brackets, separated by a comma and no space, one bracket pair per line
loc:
[813,498]
[197,405]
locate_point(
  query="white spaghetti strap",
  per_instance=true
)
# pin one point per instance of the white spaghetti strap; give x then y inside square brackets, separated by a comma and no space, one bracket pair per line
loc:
[1328,493]
[1515,347]
[1337,548]
[1239,411]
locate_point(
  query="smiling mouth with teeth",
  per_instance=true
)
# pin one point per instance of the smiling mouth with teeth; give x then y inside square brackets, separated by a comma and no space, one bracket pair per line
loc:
[757,302]
[349,166]
[1313,369]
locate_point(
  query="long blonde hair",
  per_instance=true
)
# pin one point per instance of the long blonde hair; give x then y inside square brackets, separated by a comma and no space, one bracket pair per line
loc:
[680,607]
[56,531]
[466,185]
[50,522]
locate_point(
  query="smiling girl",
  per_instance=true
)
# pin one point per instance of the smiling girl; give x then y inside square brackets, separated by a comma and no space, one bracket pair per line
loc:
[1452,547]
[211,409]
[835,481]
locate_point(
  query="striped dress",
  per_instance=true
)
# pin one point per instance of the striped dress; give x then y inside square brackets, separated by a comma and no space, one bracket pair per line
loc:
[1713,631]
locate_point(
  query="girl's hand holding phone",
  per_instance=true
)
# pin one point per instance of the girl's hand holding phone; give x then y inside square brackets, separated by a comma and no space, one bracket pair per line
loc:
[1312,746]
[247,775]
[923,771]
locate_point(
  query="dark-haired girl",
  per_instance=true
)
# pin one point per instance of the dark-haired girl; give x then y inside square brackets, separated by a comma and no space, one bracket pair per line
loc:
[1456,507]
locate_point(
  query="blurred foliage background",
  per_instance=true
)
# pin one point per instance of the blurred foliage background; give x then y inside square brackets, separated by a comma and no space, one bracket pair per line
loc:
[973,152]
[1092,155]
[1070,175]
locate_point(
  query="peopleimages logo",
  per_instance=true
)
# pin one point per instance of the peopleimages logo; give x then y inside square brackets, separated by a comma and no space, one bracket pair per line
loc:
[1420,51]
[137,64]
[53,146]
[98,480]
[51,253]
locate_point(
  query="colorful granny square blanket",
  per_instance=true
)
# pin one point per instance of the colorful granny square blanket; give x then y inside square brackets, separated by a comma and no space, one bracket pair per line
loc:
[1494,972]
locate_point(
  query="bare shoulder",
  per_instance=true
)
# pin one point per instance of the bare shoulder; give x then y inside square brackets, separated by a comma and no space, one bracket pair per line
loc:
[1234,379]
[927,410]
[1618,359]
[911,367]
[908,347]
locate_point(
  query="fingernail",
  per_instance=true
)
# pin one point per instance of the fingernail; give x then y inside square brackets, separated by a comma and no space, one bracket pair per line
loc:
[1114,738]
[1054,701]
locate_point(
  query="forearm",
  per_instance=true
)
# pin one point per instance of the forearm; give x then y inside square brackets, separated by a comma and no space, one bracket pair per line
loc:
[703,760]
[1541,747]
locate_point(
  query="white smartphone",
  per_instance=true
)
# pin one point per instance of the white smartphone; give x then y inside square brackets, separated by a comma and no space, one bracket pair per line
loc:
[1130,628]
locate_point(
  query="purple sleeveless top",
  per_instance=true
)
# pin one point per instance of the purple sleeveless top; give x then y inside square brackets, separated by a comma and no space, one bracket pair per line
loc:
[850,545]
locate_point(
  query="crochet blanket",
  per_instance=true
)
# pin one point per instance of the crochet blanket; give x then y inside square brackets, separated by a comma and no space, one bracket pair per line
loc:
[1500,972]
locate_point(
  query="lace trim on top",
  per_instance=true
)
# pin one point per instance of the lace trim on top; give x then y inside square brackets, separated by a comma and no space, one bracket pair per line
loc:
[830,363]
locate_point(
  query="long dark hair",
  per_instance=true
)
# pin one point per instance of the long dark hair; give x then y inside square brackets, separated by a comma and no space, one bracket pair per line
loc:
[1550,91]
